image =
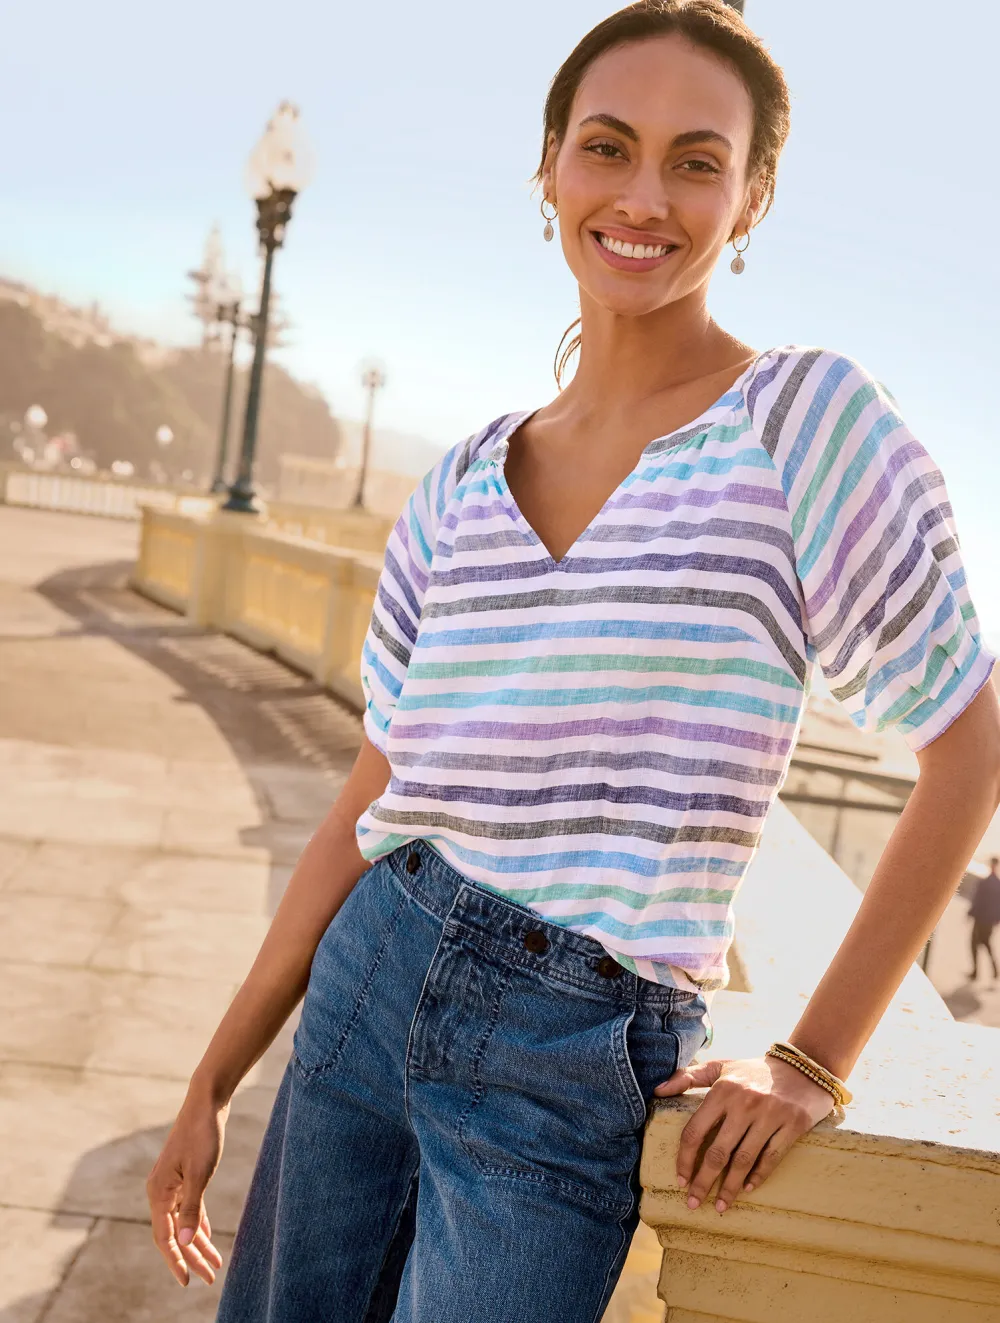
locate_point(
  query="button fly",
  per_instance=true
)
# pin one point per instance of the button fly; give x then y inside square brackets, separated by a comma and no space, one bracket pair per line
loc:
[412,861]
[609,968]
[536,941]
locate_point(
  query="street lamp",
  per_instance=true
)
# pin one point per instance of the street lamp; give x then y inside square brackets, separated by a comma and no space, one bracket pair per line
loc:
[228,295]
[279,169]
[373,379]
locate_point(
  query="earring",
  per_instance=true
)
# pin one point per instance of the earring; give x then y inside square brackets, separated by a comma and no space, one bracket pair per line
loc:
[737,266]
[548,232]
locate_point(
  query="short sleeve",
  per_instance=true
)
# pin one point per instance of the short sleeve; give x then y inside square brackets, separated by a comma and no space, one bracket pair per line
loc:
[392,633]
[886,606]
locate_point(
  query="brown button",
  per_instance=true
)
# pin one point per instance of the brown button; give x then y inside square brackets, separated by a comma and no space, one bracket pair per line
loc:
[609,968]
[536,941]
[412,861]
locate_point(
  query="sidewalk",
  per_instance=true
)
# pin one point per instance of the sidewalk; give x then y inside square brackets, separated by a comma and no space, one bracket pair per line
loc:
[156,785]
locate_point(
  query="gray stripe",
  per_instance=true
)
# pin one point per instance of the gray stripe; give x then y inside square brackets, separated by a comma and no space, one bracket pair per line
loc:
[390,642]
[880,553]
[892,631]
[632,595]
[912,609]
[581,792]
[559,827]
[675,439]
[684,531]
[783,405]
[464,458]
[601,760]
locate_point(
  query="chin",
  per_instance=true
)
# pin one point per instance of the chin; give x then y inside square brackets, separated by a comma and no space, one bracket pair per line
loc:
[634,302]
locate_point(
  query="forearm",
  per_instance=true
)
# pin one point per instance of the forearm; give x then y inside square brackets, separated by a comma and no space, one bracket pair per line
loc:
[943,822]
[329,868]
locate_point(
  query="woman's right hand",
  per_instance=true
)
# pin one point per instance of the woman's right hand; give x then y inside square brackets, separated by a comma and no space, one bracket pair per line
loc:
[176,1186]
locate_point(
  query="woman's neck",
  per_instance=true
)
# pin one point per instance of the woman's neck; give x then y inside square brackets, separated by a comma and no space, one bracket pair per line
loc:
[626,360]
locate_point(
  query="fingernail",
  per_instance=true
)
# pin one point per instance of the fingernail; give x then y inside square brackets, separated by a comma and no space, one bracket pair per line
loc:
[682,1183]
[749,1187]
[185,1236]
[694,1203]
[720,1205]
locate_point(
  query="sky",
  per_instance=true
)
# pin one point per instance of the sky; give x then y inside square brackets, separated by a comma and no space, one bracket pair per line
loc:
[419,241]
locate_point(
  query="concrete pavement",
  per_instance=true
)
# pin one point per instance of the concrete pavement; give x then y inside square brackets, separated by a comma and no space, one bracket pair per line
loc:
[156,785]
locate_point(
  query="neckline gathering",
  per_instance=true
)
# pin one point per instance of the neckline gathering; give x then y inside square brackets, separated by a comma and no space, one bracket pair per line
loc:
[498,456]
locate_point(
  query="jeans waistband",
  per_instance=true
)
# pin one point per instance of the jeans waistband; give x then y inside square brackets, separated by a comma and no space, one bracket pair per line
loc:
[500,927]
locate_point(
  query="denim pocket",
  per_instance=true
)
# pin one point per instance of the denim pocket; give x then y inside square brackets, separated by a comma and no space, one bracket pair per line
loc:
[348,965]
[530,1075]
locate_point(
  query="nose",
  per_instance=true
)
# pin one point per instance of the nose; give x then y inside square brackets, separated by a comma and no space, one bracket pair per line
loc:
[643,198]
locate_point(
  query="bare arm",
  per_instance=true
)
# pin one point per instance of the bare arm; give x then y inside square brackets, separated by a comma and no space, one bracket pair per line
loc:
[763,1106]
[330,866]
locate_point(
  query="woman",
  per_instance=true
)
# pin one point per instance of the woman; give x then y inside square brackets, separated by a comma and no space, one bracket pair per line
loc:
[586,664]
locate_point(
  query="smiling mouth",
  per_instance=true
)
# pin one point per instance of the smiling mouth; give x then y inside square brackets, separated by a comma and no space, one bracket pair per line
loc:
[638,252]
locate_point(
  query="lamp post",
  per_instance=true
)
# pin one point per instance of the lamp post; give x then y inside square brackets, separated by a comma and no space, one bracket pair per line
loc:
[279,168]
[228,297]
[373,379]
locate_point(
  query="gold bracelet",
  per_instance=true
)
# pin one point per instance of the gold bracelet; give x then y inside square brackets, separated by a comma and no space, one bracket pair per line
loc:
[794,1056]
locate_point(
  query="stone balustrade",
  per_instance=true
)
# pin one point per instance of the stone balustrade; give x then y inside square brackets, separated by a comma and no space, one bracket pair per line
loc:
[306,603]
[112,498]
[888,1212]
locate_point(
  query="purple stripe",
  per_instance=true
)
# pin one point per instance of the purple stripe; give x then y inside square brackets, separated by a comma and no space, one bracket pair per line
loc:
[862,521]
[739,493]
[562,730]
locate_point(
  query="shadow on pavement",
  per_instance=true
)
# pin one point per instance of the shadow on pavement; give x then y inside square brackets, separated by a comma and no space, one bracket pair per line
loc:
[295,745]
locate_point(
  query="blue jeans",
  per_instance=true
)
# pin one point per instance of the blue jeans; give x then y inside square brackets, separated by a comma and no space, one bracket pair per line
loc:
[457,1134]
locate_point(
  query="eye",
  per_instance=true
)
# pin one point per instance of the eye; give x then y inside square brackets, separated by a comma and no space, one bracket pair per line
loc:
[699,166]
[605,148]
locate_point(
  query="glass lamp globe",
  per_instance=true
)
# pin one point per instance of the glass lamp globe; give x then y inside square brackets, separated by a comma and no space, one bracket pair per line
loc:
[283,159]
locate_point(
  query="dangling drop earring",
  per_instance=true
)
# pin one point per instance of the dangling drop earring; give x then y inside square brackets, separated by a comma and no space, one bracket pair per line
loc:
[737,266]
[548,232]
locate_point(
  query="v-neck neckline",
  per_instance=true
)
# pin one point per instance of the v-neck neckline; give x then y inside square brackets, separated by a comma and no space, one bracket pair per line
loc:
[498,457]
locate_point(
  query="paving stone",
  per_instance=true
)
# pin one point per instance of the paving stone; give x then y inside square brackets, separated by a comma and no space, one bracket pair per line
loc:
[54,929]
[108,1020]
[35,1250]
[198,883]
[13,854]
[27,814]
[90,872]
[180,943]
[119,1277]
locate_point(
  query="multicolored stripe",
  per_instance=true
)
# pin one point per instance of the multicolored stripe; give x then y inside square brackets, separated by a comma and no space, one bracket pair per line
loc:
[601,738]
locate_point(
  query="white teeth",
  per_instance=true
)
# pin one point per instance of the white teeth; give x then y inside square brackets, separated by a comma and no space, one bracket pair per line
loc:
[637,251]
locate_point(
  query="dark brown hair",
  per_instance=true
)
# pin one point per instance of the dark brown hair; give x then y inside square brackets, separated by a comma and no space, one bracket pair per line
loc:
[710,24]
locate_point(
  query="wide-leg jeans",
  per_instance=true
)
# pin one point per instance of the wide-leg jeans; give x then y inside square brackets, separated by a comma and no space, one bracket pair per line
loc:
[457,1134]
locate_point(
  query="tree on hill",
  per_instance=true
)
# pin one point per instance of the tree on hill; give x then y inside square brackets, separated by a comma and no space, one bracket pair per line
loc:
[114,398]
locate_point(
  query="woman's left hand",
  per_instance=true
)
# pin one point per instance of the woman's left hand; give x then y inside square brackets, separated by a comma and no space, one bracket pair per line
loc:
[759,1109]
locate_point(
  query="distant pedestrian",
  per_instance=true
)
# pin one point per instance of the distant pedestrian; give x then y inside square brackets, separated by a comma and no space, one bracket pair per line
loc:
[985,915]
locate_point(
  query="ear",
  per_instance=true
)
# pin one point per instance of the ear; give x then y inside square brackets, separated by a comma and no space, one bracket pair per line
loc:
[752,207]
[548,172]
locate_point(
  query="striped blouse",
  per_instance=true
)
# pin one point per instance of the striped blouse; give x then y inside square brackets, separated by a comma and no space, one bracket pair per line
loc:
[600,737]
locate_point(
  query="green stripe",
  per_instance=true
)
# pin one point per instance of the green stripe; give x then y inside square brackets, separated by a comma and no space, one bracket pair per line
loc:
[602,662]
[852,412]
[635,900]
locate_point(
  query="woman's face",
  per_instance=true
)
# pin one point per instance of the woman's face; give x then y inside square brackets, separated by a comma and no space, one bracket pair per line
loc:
[655,154]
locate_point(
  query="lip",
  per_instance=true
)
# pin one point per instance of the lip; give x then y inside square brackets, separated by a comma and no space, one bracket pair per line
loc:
[631,236]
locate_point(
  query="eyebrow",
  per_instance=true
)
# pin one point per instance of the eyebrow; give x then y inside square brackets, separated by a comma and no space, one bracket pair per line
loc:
[690,139]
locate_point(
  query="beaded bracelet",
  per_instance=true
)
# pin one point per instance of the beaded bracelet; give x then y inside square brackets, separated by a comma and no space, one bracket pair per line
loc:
[793,1056]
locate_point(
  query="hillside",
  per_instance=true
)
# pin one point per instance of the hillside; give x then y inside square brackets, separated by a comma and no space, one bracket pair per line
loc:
[113,392]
